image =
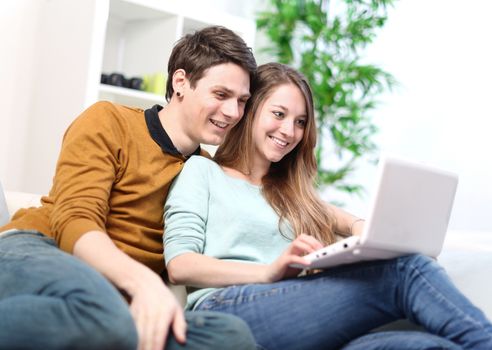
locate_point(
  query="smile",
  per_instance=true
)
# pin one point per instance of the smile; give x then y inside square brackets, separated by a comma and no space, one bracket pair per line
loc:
[279,142]
[219,124]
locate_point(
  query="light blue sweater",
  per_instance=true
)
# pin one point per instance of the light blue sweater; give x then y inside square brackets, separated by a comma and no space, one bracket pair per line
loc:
[212,213]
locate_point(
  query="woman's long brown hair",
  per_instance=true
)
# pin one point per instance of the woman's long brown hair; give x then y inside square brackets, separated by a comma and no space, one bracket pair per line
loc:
[289,184]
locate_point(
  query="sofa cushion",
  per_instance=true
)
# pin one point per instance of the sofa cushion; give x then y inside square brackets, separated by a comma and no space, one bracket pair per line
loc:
[4,213]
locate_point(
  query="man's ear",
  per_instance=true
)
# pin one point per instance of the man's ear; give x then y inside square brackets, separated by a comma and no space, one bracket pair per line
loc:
[179,80]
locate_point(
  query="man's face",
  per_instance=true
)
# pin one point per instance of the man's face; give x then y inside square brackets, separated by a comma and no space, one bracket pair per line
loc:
[216,103]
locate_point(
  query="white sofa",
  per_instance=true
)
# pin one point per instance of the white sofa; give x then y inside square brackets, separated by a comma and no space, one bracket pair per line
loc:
[466,256]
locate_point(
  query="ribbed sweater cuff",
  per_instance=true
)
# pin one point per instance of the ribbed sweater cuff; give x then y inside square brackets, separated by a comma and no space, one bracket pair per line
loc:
[74,230]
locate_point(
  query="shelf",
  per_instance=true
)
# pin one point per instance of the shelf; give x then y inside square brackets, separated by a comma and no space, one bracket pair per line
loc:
[135,10]
[135,98]
[193,19]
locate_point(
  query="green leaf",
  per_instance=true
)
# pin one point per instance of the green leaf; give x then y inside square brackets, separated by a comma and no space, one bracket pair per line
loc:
[327,49]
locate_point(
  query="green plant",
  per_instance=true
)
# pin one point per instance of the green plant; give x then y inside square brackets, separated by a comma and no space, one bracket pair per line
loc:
[326,43]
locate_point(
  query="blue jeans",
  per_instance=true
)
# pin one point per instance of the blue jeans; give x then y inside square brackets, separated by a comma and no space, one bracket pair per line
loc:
[52,300]
[330,309]
[401,340]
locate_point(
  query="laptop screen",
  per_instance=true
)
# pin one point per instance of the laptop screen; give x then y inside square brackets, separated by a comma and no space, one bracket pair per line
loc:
[4,213]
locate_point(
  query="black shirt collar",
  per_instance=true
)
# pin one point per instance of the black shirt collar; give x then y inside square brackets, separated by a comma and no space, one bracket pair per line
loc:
[159,135]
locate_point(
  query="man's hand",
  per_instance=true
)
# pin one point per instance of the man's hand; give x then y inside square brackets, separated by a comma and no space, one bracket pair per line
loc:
[153,306]
[155,310]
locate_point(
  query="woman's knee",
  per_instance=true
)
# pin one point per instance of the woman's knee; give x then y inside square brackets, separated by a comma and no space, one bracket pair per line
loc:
[417,260]
[214,330]
[403,340]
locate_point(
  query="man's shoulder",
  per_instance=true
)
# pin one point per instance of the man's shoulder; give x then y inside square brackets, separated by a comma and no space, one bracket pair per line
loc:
[106,108]
[107,115]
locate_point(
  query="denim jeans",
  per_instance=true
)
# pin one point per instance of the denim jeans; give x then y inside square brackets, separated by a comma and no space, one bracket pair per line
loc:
[401,340]
[329,309]
[52,300]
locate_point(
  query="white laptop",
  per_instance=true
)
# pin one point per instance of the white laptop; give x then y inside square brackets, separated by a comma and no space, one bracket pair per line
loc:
[4,213]
[410,214]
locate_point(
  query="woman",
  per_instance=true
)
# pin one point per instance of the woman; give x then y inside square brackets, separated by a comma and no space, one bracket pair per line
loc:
[234,227]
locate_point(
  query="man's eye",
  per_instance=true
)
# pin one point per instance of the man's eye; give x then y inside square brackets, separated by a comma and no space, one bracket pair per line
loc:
[220,94]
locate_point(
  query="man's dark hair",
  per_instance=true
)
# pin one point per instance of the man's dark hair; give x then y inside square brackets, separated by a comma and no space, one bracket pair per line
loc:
[206,48]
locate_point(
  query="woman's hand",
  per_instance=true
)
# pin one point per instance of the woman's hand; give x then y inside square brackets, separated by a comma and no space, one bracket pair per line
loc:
[280,268]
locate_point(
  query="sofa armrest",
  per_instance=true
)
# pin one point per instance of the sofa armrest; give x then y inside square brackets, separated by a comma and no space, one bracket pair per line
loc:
[17,200]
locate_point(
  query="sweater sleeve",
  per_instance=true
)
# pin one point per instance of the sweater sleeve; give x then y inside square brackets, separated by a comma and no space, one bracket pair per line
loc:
[85,173]
[186,210]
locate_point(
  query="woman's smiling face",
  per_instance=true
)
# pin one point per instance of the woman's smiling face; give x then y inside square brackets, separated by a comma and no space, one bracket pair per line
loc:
[279,124]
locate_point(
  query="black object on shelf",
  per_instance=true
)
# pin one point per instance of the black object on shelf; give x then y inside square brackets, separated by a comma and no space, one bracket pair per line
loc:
[104,78]
[118,79]
[136,83]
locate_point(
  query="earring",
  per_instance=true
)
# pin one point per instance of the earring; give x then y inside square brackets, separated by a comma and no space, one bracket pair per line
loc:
[178,94]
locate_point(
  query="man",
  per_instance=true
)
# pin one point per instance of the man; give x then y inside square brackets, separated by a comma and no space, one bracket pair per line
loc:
[106,207]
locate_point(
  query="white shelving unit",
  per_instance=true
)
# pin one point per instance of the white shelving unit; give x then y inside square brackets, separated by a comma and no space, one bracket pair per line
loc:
[128,97]
[140,35]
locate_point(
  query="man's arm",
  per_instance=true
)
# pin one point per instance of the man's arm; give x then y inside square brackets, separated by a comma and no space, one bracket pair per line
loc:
[89,165]
[153,306]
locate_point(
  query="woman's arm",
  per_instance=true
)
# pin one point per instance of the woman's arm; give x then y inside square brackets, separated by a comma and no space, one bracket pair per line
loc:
[346,223]
[197,270]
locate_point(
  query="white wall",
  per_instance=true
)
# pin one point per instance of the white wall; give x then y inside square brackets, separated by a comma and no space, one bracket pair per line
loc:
[18,27]
[441,53]
[37,74]
[62,74]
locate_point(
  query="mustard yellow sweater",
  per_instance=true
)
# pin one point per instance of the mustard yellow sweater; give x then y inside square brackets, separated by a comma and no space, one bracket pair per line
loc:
[111,176]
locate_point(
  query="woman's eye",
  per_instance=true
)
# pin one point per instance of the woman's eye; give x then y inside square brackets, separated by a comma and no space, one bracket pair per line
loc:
[301,122]
[278,114]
